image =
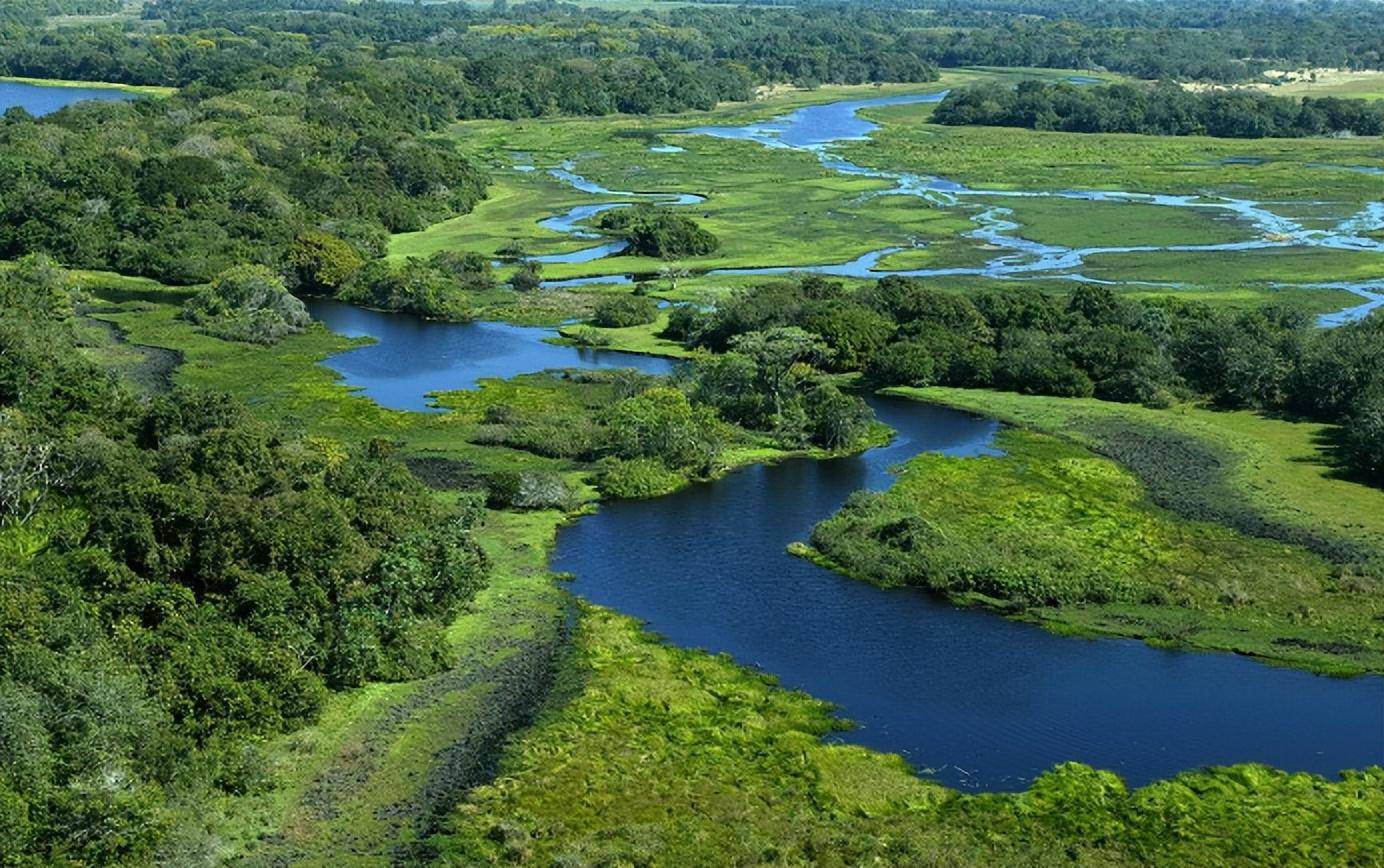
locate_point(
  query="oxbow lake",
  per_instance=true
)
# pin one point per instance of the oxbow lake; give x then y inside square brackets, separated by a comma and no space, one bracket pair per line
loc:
[970,698]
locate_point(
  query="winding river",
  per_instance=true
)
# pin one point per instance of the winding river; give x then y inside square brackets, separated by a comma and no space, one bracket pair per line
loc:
[971,698]
[818,128]
[975,700]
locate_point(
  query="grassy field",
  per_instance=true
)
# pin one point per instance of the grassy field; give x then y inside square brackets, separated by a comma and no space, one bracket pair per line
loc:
[779,207]
[146,89]
[1055,533]
[1344,84]
[1220,530]
[660,756]
[1003,158]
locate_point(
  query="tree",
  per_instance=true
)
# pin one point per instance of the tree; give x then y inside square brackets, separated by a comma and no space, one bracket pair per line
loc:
[320,262]
[662,423]
[247,303]
[781,356]
[836,420]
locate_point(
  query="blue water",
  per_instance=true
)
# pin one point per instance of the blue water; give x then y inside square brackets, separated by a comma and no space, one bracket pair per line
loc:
[413,358]
[40,100]
[816,129]
[973,699]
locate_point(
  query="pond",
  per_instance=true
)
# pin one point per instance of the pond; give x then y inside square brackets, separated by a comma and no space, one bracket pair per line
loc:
[413,357]
[42,99]
[975,700]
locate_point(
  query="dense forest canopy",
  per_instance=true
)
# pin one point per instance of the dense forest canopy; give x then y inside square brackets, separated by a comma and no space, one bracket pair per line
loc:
[1165,109]
[178,578]
[902,332]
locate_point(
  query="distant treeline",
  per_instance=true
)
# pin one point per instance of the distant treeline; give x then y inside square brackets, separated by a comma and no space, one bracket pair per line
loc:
[1223,40]
[1163,109]
[37,11]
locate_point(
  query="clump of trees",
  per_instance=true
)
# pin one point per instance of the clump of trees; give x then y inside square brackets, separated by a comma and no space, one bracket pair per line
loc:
[622,311]
[178,580]
[248,303]
[659,232]
[1089,343]
[1164,109]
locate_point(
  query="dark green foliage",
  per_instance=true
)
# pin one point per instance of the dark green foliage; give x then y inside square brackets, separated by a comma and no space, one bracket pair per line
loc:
[178,579]
[1089,343]
[621,311]
[319,262]
[659,232]
[418,286]
[1162,109]
[249,303]
[527,277]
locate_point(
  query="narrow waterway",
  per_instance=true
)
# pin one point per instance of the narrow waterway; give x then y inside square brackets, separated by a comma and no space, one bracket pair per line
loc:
[973,699]
[819,129]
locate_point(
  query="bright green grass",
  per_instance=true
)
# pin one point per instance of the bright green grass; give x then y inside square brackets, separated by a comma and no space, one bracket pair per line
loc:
[1070,539]
[1359,84]
[1074,223]
[145,89]
[1279,467]
[1238,268]
[1007,158]
[661,756]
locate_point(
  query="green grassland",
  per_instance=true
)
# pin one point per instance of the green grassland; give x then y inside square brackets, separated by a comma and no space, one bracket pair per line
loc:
[1074,223]
[1059,535]
[653,755]
[1245,269]
[1357,84]
[1003,158]
[144,89]
[1220,530]
[1280,469]
[778,207]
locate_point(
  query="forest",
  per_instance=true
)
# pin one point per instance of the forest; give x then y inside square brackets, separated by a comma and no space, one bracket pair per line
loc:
[229,573]
[901,332]
[180,580]
[1164,109]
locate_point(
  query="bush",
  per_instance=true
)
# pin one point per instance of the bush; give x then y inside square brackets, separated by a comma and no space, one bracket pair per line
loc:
[248,303]
[623,311]
[529,489]
[636,478]
[657,232]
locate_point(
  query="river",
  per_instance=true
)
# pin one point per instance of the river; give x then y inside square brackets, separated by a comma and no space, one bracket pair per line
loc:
[970,698]
[818,129]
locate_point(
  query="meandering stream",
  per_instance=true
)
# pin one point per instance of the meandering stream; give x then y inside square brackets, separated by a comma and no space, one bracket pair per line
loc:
[818,129]
[973,699]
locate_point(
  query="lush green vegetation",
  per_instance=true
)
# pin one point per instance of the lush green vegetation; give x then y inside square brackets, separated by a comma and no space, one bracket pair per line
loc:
[652,754]
[1056,533]
[246,614]
[179,578]
[248,303]
[659,233]
[1165,109]
[901,332]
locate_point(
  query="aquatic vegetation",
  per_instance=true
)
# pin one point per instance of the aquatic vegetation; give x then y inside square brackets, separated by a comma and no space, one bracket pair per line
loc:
[641,730]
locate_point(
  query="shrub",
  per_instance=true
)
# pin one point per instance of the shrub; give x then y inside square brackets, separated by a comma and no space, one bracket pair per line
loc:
[636,478]
[247,303]
[529,489]
[622,311]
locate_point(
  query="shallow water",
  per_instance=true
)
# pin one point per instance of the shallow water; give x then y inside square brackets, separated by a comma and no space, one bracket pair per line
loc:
[817,128]
[41,99]
[414,357]
[970,698]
